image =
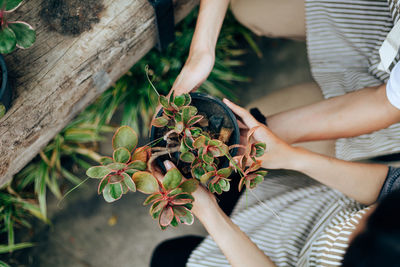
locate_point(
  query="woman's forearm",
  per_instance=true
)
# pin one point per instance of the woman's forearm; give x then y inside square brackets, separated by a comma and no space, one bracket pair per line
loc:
[349,115]
[360,181]
[236,245]
[208,26]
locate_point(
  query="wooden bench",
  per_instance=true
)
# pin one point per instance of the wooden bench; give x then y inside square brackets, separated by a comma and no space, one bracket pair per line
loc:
[60,75]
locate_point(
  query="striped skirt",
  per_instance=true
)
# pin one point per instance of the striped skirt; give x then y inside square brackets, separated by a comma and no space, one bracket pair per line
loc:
[283,215]
[288,212]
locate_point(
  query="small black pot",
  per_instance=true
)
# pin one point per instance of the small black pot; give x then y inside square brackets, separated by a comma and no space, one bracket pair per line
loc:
[210,106]
[5,89]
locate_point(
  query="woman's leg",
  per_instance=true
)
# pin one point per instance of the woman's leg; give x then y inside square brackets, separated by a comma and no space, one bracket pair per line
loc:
[272,18]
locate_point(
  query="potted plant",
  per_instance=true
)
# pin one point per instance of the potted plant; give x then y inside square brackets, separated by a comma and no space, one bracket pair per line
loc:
[12,34]
[200,135]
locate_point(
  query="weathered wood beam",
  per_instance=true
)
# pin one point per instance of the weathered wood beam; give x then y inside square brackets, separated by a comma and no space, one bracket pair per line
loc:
[61,75]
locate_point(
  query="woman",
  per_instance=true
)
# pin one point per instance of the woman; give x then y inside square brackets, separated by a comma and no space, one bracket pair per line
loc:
[315,221]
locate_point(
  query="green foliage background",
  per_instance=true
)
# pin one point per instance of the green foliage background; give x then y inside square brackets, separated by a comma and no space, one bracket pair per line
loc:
[75,146]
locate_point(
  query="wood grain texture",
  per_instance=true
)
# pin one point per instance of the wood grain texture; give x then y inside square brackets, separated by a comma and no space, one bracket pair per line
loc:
[60,75]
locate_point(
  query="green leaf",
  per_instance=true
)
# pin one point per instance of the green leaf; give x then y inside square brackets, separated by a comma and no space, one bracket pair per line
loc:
[106,160]
[116,166]
[7,248]
[112,192]
[121,155]
[3,264]
[125,137]
[262,173]
[199,142]
[197,172]
[2,110]
[98,172]
[163,101]
[159,122]
[157,207]
[225,172]
[145,182]
[137,165]
[175,192]
[217,188]
[188,99]
[208,158]
[258,179]
[192,111]
[195,119]
[8,40]
[151,198]
[102,184]
[179,100]
[188,142]
[225,185]
[129,182]
[189,186]
[187,157]
[174,223]
[186,115]
[9,5]
[187,217]
[24,33]
[205,177]
[172,179]
[166,216]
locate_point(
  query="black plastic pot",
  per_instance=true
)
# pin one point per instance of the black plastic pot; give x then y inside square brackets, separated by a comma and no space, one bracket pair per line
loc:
[5,89]
[210,106]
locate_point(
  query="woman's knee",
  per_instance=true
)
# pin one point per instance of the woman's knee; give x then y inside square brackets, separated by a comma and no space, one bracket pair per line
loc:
[272,18]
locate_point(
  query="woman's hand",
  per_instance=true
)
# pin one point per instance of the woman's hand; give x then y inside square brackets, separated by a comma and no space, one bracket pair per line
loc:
[278,154]
[204,204]
[195,71]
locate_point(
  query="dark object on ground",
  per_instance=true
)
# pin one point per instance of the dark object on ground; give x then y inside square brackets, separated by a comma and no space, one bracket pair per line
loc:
[5,88]
[71,17]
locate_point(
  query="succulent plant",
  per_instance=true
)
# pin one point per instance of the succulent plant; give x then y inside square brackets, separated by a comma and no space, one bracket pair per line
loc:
[14,33]
[130,168]
[172,204]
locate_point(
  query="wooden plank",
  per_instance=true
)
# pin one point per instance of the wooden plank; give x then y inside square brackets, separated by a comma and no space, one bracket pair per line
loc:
[60,75]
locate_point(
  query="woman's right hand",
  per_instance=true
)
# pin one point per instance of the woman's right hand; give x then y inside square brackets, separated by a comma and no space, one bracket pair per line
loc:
[195,71]
[278,154]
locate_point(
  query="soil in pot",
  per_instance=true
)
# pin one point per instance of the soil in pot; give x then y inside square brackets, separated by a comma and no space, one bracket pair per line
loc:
[219,123]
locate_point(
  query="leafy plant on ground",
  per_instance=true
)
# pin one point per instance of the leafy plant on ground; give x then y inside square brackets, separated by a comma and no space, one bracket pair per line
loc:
[14,33]
[171,199]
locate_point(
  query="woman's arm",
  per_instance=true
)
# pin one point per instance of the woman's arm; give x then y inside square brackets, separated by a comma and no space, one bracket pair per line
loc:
[202,49]
[349,115]
[360,181]
[234,244]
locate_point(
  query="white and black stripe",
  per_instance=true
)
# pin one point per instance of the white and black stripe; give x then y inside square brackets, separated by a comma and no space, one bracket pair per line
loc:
[304,208]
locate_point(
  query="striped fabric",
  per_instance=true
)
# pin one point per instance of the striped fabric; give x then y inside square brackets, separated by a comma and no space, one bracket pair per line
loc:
[343,41]
[314,223]
[331,246]
[304,208]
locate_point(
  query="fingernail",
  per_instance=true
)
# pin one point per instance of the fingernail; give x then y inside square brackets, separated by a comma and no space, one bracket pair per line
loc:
[168,164]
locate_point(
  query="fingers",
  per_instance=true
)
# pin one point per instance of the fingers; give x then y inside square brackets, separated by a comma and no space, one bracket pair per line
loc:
[168,165]
[246,117]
